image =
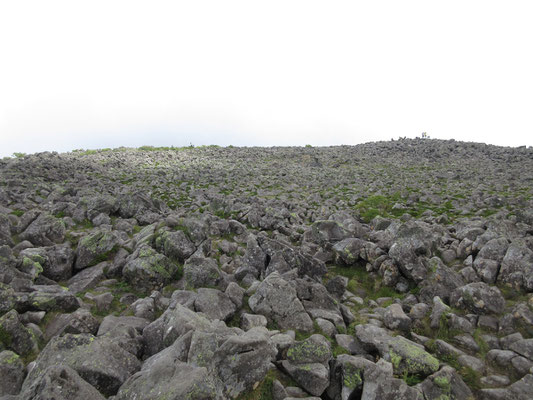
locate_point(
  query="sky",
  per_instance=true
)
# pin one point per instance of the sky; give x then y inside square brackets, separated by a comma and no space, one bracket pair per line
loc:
[96,74]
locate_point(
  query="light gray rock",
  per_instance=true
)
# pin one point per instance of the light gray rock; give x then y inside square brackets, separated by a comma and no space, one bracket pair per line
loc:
[276,299]
[60,382]
[249,321]
[445,383]
[395,319]
[201,272]
[103,364]
[479,298]
[215,304]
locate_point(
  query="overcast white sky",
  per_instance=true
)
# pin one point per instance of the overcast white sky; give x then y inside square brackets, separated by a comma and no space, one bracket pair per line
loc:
[95,74]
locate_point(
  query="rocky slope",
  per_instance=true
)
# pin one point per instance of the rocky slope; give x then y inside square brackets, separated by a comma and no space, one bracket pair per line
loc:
[392,270]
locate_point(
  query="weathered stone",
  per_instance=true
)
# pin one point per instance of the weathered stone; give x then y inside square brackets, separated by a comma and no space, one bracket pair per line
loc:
[201,272]
[12,372]
[100,362]
[148,269]
[60,382]
[276,299]
[215,304]
[479,298]
[46,230]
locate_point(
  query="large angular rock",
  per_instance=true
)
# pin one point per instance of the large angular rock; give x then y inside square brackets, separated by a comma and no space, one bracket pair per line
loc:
[201,272]
[516,266]
[479,298]
[5,231]
[12,372]
[46,230]
[176,321]
[169,379]
[215,304]
[88,278]
[80,321]
[445,383]
[56,261]
[414,243]
[47,298]
[441,281]
[276,299]
[95,248]
[241,362]
[147,269]
[102,363]
[322,232]
[350,250]
[176,245]
[520,390]
[312,377]
[411,358]
[314,349]
[395,319]
[60,382]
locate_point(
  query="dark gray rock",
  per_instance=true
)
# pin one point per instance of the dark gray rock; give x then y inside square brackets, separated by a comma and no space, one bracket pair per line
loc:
[414,243]
[147,269]
[175,322]
[95,248]
[176,245]
[12,372]
[45,230]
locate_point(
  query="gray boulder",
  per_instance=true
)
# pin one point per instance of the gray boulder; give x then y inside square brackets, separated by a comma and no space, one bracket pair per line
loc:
[276,299]
[174,323]
[46,230]
[312,377]
[411,358]
[5,231]
[215,304]
[80,321]
[414,243]
[242,361]
[95,248]
[102,363]
[147,269]
[60,382]
[445,383]
[169,379]
[12,372]
[516,266]
[88,278]
[15,336]
[395,319]
[201,272]
[176,245]
[349,250]
[478,298]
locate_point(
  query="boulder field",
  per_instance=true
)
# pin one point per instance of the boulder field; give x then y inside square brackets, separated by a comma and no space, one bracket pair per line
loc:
[389,270]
